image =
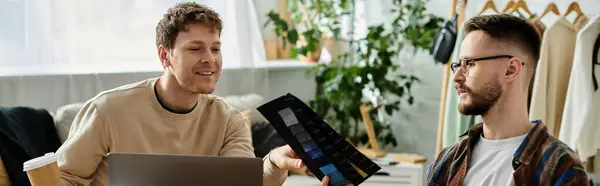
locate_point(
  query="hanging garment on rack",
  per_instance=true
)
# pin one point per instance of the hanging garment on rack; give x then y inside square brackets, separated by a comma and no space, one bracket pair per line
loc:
[580,128]
[553,68]
[580,23]
[540,28]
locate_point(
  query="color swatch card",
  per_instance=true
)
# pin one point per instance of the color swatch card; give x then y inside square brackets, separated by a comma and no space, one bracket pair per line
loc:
[322,149]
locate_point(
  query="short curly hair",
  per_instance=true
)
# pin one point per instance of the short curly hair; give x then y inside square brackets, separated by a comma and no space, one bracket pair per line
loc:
[179,16]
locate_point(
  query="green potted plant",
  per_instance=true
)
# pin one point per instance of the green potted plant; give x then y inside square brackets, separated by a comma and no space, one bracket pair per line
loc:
[314,23]
[369,67]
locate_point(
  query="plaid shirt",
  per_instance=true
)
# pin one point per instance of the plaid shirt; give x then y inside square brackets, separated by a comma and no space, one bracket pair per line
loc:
[540,160]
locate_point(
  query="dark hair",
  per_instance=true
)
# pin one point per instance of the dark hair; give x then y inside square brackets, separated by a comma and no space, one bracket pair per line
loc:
[179,16]
[509,28]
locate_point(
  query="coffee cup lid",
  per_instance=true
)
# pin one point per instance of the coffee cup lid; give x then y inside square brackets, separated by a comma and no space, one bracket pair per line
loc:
[40,161]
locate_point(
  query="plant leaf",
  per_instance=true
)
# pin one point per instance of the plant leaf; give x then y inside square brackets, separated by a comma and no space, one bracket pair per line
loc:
[293,52]
[267,23]
[302,51]
[336,32]
[283,43]
[293,36]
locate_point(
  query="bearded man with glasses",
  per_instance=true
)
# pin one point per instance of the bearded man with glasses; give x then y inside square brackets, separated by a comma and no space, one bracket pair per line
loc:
[497,60]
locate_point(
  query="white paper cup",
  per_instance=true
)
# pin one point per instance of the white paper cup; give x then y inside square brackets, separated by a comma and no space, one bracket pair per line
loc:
[43,170]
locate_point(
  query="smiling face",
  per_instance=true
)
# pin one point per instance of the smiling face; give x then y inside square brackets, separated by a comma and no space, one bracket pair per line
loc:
[195,59]
[189,46]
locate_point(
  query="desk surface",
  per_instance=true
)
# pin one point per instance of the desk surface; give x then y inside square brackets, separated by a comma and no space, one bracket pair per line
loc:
[376,180]
[298,180]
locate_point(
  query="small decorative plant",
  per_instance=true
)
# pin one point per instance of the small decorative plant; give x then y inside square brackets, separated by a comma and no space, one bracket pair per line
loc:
[313,22]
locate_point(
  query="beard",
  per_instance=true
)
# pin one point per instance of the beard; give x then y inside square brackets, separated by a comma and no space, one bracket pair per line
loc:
[481,100]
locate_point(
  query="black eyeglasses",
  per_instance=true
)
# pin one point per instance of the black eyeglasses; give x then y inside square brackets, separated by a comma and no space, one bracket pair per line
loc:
[465,64]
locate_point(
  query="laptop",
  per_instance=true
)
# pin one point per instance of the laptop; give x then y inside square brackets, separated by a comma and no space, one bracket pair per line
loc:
[133,169]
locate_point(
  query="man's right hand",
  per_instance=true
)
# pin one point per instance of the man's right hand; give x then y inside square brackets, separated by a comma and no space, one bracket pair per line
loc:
[325,182]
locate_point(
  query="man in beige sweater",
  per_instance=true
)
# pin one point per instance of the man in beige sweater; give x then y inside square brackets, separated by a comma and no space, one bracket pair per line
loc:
[171,114]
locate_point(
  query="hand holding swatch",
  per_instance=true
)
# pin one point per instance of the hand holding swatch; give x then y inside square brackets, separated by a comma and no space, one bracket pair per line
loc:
[320,147]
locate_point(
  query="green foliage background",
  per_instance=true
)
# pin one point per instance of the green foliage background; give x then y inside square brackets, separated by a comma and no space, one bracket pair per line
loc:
[369,63]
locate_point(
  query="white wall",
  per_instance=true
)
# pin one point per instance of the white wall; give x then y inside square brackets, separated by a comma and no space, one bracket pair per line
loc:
[262,8]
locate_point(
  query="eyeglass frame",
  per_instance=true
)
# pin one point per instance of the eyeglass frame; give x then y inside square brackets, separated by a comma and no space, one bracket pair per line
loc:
[466,61]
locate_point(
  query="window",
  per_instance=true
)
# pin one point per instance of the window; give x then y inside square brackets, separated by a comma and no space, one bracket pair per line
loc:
[59,34]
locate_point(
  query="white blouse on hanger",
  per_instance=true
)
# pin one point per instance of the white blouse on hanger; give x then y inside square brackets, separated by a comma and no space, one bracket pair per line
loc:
[552,72]
[580,125]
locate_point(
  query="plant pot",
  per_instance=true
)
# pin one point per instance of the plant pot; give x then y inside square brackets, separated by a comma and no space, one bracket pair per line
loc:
[283,53]
[271,49]
[274,49]
[313,56]
[334,47]
[330,43]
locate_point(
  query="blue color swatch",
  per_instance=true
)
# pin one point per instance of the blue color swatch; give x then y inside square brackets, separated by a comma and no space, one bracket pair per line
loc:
[329,168]
[309,145]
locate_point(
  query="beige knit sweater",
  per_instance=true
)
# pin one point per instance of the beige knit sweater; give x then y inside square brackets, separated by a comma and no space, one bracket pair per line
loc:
[130,119]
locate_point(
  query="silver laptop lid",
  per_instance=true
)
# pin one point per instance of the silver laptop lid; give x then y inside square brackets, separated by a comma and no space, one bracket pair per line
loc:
[133,169]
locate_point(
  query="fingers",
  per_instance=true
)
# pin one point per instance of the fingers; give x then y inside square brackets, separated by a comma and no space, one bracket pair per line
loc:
[285,158]
[325,181]
[298,163]
[291,163]
[302,164]
[289,151]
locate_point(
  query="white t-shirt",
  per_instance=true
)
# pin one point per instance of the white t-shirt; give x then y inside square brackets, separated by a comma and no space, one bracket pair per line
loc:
[491,162]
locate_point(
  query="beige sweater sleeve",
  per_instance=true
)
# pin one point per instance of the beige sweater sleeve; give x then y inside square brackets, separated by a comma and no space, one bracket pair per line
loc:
[85,148]
[238,142]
